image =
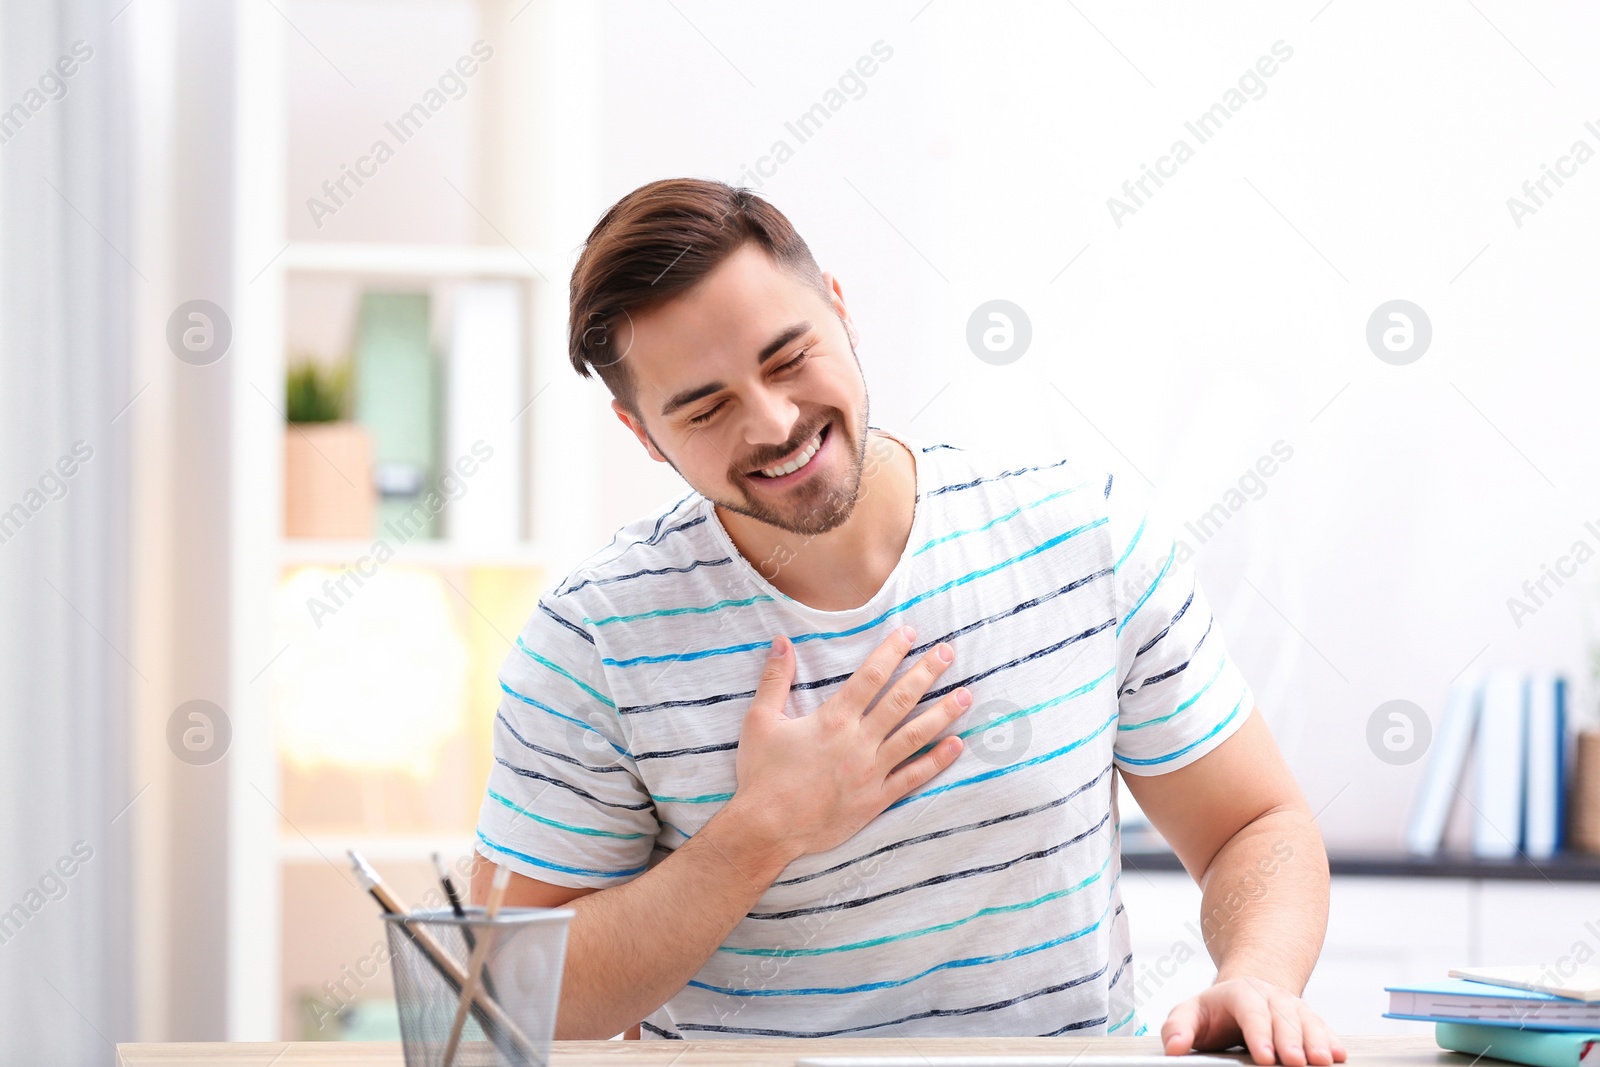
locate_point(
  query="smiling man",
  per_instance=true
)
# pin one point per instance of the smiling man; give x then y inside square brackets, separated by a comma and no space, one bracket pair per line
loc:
[832,744]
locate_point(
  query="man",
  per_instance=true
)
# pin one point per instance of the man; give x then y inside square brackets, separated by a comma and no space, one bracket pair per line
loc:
[831,745]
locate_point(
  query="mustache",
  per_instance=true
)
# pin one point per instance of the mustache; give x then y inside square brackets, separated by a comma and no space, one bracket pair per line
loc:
[788,450]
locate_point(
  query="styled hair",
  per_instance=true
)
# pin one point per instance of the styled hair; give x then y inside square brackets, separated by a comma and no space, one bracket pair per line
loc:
[652,245]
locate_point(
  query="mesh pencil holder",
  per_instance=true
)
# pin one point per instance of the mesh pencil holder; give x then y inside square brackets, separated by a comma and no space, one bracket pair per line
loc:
[513,1014]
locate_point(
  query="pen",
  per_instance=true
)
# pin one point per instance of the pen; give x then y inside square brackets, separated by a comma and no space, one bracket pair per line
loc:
[460,912]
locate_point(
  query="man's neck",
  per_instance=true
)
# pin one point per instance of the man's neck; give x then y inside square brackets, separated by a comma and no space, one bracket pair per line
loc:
[845,567]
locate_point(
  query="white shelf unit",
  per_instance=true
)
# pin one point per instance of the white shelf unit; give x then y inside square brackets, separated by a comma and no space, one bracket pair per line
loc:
[540,139]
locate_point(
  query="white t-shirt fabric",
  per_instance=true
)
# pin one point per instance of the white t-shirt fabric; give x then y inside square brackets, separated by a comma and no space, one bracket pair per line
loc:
[985,902]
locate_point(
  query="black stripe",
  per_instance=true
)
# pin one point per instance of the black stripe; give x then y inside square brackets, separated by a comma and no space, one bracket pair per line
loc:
[568,785]
[988,868]
[654,1029]
[640,709]
[972,679]
[936,834]
[650,570]
[574,627]
[1180,668]
[931,1013]
[1079,1025]
[1148,645]
[655,536]
[552,754]
[957,487]
[699,751]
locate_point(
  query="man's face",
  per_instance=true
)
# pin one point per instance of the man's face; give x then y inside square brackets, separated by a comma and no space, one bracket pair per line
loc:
[743,371]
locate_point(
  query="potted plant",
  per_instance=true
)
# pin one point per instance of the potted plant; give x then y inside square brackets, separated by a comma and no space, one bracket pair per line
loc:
[327,459]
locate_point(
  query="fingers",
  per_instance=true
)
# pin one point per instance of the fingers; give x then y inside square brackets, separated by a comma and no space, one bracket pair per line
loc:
[920,770]
[900,701]
[1253,1015]
[859,689]
[1287,1034]
[772,692]
[1177,1033]
[906,741]
[1317,1038]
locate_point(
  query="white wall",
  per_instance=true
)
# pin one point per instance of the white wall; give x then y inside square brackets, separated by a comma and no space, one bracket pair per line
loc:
[1226,314]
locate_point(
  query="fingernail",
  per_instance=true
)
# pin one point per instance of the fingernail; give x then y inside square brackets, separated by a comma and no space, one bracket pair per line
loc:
[908,632]
[779,646]
[946,653]
[963,698]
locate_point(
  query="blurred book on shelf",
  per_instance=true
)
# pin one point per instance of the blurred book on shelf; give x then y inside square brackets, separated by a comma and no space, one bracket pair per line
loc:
[1501,764]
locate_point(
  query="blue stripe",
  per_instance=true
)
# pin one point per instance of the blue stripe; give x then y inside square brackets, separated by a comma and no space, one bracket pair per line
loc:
[1135,540]
[1001,771]
[892,983]
[999,909]
[1021,713]
[1171,554]
[573,678]
[537,862]
[829,635]
[823,683]
[705,798]
[520,810]
[995,521]
[567,718]
[1174,755]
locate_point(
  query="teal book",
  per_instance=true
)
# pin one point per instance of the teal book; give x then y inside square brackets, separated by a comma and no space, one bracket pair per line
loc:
[1540,1048]
[397,400]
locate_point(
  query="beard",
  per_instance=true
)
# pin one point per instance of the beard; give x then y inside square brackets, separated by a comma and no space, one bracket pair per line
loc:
[816,506]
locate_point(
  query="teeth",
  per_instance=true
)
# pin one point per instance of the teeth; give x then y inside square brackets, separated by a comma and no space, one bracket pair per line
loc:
[799,461]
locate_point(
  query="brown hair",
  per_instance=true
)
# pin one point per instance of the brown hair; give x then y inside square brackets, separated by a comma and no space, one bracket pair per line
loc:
[653,244]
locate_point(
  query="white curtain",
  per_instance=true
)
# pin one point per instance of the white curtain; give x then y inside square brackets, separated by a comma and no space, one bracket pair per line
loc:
[68,275]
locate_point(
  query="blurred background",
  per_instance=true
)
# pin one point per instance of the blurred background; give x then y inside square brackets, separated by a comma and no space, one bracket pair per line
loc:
[292,444]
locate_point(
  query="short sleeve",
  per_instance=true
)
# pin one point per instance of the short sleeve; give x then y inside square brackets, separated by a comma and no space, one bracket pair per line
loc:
[1179,695]
[564,803]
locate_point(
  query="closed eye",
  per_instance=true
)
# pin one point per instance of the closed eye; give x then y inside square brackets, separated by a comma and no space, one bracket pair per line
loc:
[793,364]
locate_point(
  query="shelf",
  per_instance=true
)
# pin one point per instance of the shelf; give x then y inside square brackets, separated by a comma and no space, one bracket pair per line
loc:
[436,552]
[1568,867]
[379,848]
[416,261]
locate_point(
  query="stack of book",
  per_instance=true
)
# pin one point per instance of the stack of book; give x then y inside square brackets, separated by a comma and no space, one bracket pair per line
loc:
[1545,1016]
[1500,757]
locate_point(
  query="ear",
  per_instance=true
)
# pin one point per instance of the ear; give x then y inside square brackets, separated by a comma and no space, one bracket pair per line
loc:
[840,309]
[638,430]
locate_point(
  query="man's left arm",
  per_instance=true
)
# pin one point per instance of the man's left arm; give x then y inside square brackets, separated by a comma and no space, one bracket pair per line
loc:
[1242,829]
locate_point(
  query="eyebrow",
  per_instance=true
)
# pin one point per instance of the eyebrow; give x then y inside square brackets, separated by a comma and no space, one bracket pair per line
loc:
[770,349]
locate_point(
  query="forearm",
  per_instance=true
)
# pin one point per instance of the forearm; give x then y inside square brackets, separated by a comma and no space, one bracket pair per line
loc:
[1264,901]
[632,947]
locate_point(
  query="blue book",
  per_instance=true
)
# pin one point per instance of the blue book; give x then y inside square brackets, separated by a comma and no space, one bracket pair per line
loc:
[1538,1048]
[1457,1000]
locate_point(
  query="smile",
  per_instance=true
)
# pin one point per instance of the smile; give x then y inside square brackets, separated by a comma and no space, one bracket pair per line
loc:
[801,460]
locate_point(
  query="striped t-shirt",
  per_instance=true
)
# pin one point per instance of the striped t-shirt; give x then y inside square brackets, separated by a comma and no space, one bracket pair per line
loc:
[984,902]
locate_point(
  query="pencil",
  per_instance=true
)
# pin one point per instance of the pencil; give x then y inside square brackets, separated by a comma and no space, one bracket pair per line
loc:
[495,1022]
[497,894]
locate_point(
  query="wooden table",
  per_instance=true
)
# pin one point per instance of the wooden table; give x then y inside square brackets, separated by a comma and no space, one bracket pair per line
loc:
[1410,1051]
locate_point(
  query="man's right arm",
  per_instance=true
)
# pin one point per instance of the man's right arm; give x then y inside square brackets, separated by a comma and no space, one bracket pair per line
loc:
[804,785]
